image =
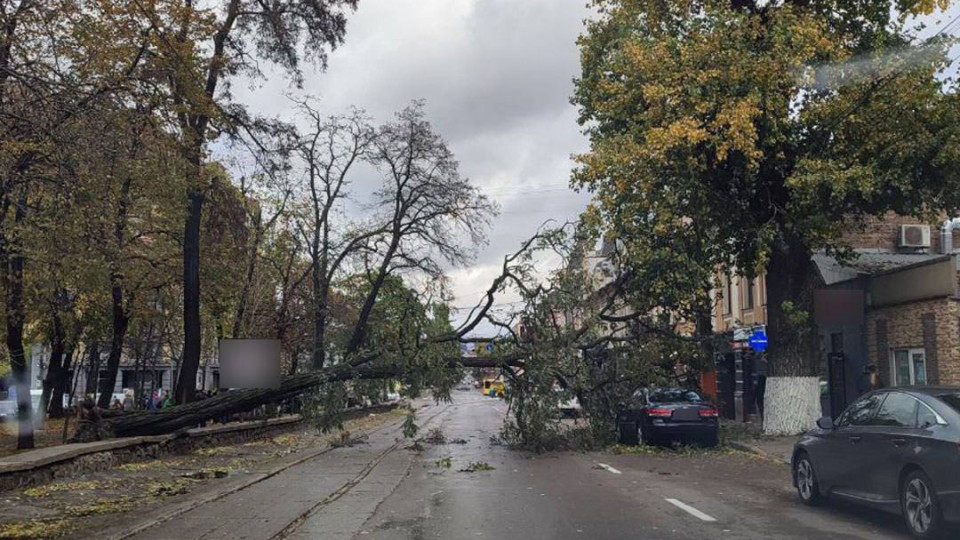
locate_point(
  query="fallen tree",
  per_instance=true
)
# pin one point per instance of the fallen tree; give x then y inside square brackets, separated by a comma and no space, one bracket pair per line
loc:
[363,367]
[238,401]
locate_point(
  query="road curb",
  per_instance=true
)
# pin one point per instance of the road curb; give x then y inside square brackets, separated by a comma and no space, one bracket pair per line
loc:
[750,449]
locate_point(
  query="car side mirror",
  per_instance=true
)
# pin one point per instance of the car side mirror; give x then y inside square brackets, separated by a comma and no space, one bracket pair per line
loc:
[825,423]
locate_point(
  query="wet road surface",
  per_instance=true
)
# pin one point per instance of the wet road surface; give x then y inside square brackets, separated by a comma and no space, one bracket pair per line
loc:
[599,495]
[384,490]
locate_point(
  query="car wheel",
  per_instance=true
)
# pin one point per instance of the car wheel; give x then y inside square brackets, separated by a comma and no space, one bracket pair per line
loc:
[806,479]
[920,506]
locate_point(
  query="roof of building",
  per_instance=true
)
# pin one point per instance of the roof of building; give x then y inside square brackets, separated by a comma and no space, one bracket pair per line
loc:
[868,262]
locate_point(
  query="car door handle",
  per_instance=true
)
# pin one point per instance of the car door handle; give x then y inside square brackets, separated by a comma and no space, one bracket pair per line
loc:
[855,439]
[898,442]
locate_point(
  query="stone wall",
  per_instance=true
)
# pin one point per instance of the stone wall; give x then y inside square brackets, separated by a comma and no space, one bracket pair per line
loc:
[933,325]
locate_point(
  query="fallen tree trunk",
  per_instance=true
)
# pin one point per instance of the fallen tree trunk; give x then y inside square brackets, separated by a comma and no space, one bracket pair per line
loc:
[238,401]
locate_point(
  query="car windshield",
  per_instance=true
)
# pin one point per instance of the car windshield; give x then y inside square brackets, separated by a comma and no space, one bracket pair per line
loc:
[675,396]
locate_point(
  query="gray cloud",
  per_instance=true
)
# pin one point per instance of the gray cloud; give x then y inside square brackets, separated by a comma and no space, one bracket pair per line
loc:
[496,76]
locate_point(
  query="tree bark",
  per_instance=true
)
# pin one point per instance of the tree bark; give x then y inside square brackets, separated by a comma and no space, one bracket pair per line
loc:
[791,281]
[792,399]
[120,318]
[235,332]
[13,279]
[120,324]
[190,363]
[93,367]
[62,385]
[194,129]
[704,328]
[55,372]
[360,330]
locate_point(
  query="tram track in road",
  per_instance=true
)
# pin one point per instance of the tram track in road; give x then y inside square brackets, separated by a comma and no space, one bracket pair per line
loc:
[352,483]
[311,455]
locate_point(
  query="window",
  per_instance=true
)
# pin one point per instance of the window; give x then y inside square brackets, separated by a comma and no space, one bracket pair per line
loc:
[727,295]
[748,287]
[909,367]
[926,417]
[862,411]
[898,410]
[675,396]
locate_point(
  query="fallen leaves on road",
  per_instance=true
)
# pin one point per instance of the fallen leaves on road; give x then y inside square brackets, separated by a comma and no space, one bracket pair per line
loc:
[477,466]
[35,529]
[103,506]
[435,436]
[49,489]
[79,509]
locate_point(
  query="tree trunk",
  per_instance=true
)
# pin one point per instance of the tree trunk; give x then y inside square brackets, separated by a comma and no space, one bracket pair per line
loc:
[251,270]
[360,330]
[238,401]
[13,279]
[792,397]
[55,372]
[704,328]
[319,322]
[120,324]
[120,318]
[62,385]
[93,367]
[190,363]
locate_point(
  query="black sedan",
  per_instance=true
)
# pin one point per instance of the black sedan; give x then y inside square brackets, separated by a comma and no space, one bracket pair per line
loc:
[894,449]
[663,416]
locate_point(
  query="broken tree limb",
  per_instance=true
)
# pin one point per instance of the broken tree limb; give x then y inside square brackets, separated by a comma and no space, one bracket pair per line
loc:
[238,401]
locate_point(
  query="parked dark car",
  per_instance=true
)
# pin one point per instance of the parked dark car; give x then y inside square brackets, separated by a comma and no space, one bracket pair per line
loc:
[894,449]
[667,415]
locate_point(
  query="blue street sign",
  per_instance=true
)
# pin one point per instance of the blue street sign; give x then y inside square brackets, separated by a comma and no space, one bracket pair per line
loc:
[758,341]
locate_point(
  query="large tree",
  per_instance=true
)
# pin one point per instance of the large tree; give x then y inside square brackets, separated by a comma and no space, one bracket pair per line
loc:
[765,129]
[421,214]
[194,48]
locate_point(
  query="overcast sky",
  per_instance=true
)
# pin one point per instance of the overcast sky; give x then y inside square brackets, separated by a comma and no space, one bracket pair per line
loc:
[497,79]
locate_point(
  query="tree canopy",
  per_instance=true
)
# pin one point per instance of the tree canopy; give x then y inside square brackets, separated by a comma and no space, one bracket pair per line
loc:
[741,136]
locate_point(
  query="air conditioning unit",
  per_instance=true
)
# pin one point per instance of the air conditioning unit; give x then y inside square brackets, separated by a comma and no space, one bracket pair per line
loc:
[914,236]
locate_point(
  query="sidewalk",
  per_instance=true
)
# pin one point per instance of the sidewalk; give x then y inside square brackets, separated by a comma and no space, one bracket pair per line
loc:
[748,437]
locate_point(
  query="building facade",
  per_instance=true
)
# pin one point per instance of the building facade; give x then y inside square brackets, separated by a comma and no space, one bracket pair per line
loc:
[895,305]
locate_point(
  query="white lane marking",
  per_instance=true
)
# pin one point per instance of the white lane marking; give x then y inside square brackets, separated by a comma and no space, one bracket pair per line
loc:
[609,468]
[690,510]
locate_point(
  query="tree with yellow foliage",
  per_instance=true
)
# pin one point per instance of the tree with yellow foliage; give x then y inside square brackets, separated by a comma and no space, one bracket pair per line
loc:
[752,134]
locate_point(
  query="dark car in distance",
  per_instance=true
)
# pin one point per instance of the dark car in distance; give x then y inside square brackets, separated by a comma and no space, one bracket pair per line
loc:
[667,415]
[895,449]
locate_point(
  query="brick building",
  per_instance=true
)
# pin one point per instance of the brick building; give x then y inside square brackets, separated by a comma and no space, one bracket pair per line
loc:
[901,303]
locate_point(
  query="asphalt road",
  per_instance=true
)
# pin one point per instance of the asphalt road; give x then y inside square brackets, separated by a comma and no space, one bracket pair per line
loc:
[384,490]
[587,496]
